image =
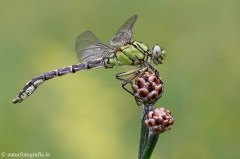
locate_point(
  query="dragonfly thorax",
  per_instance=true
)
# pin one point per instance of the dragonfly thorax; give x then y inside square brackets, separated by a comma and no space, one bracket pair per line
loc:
[130,54]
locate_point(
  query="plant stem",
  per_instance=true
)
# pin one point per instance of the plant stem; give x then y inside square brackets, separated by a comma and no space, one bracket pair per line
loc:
[143,130]
[152,140]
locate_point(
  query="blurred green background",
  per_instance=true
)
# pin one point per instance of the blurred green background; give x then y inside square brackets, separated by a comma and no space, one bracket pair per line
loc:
[88,115]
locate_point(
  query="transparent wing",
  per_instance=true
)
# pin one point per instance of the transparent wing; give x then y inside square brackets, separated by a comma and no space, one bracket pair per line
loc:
[124,34]
[88,47]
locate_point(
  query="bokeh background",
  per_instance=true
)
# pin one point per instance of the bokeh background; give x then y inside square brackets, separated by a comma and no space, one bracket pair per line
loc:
[88,115]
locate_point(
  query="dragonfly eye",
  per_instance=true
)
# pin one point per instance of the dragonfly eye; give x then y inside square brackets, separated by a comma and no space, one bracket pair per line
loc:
[158,55]
[156,52]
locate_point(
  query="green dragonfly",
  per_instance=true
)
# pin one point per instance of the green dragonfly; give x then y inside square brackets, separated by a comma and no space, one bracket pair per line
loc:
[92,53]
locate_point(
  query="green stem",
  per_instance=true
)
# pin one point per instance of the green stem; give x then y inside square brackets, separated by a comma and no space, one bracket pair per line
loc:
[143,130]
[152,140]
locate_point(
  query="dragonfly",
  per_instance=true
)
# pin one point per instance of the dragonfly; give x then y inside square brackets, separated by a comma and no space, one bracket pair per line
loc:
[92,53]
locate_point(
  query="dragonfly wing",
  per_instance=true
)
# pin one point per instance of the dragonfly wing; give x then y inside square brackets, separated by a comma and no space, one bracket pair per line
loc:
[124,34]
[88,47]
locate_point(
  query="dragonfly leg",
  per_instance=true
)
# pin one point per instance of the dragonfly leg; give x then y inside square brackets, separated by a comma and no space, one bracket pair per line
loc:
[126,81]
[118,76]
[137,71]
[137,101]
[129,80]
[140,75]
[154,70]
[133,74]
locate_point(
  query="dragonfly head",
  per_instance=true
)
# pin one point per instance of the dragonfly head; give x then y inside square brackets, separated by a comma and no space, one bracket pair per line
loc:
[158,55]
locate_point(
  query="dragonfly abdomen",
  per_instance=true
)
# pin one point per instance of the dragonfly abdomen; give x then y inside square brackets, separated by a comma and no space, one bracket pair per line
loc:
[32,85]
